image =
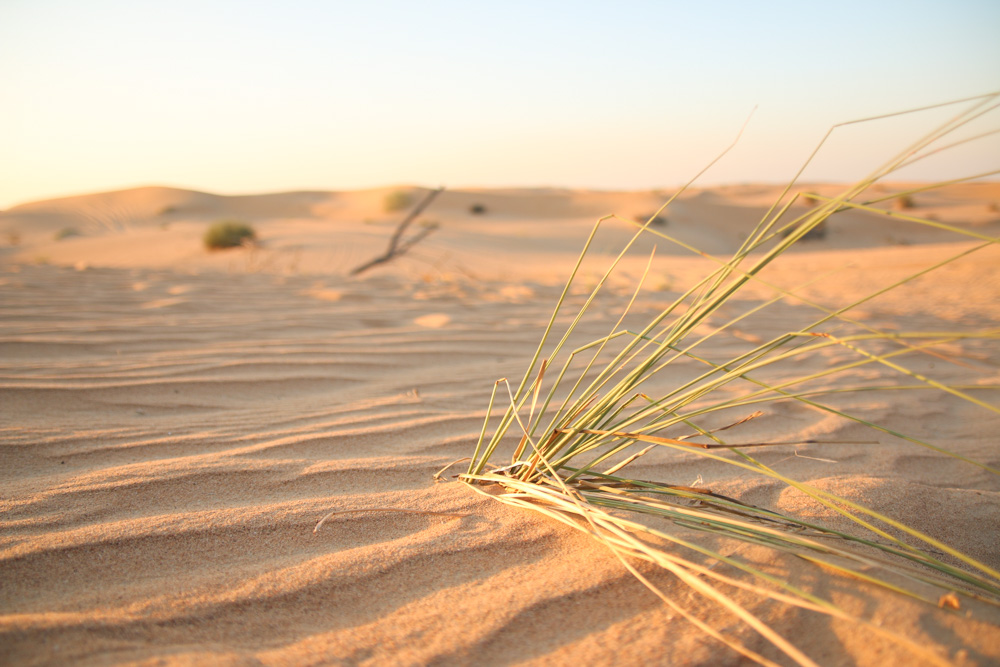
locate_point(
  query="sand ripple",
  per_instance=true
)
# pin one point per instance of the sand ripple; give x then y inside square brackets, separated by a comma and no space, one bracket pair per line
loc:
[169,443]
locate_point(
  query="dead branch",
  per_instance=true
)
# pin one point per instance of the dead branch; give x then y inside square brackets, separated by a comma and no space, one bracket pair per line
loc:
[397,248]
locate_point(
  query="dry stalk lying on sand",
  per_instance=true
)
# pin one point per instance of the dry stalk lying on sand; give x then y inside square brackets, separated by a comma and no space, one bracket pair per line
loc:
[397,246]
[563,465]
[401,510]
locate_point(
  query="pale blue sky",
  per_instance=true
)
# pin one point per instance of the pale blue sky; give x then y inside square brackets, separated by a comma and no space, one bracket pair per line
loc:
[236,97]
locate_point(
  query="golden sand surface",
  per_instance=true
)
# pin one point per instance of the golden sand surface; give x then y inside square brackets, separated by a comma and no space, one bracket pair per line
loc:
[175,422]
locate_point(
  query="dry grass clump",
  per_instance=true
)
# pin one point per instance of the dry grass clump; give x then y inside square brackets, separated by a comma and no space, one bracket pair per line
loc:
[66,233]
[397,200]
[584,412]
[817,233]
[228,234]
[656,219]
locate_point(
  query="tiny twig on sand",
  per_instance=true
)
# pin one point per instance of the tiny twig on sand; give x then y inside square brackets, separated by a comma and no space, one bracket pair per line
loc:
[396,248]
[385,509]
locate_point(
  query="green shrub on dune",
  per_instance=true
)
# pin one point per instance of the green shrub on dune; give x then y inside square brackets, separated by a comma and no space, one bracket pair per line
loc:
[228,234]
[397,201]
[66,233]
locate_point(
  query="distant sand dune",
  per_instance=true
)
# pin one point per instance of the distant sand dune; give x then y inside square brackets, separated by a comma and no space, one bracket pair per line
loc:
[326,232]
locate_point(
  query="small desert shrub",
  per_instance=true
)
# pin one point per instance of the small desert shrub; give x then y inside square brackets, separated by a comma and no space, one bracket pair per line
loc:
[477,209]
[228,234]
[904,202]
[817,233]
[66,232]
[167,210]
[397,201]
[657,220]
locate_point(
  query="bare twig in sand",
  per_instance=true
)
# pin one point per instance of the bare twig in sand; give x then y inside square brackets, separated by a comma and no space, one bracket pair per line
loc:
[396,248]
[384,509]
[437,475]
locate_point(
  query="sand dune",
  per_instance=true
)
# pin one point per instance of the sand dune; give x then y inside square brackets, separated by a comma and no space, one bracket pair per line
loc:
[176,422]
[331,232]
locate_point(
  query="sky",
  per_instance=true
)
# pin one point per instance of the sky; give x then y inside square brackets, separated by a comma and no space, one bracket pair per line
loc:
[244,96]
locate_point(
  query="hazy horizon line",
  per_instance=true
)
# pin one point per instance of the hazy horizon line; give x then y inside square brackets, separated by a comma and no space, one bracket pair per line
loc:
[464,187]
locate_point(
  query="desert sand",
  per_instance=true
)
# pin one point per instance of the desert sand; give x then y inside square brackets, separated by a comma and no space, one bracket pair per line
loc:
[175,422]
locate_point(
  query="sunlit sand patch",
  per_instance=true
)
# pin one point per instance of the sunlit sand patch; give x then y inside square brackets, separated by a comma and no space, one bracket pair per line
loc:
[516,293]
[324,294]
[433,320]
[162,303]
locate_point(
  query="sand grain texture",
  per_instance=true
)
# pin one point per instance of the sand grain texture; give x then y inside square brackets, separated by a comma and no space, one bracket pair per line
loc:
[175,422]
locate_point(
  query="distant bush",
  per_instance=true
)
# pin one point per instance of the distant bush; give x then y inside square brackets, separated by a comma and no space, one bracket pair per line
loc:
[228,234]
[66,232]
[477,209]
[817,233]
[904,202]
[658,220]
[397,201]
